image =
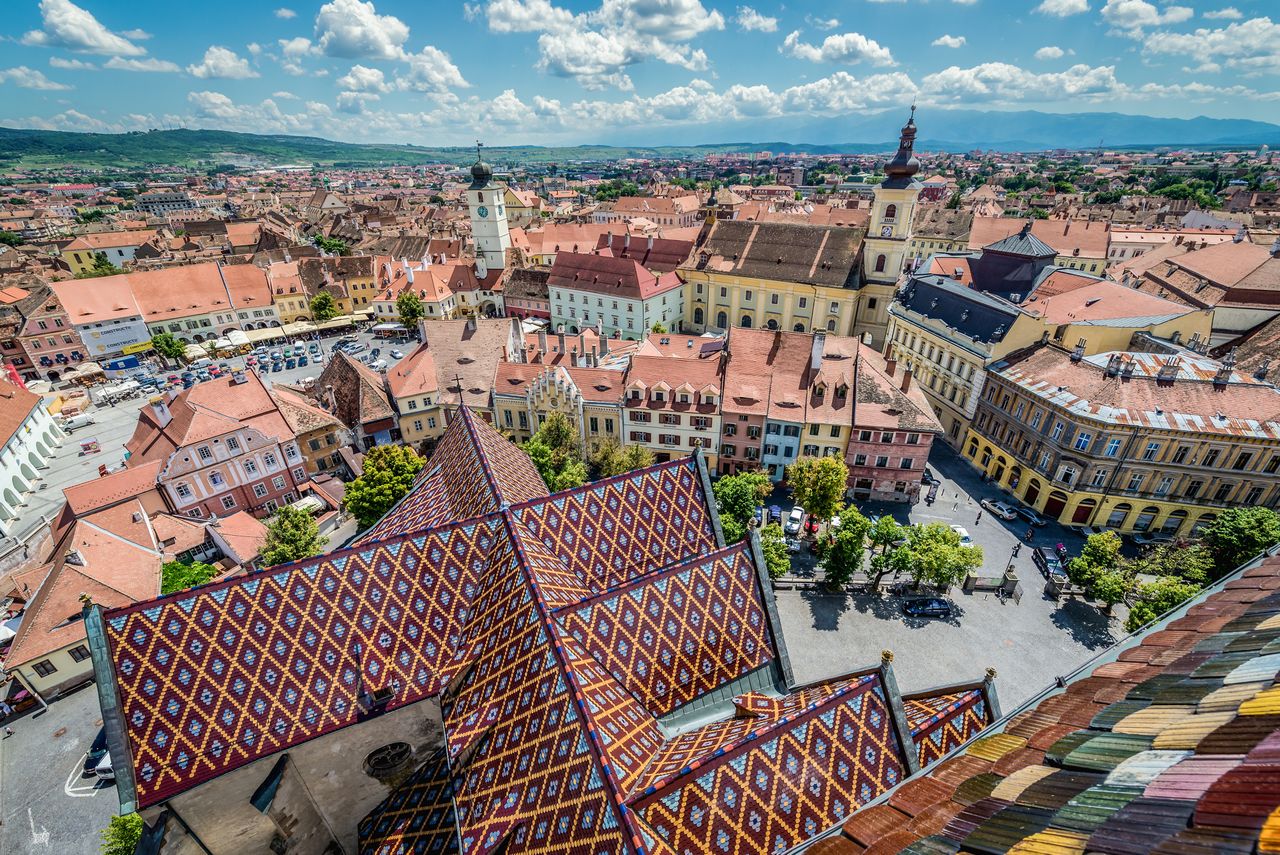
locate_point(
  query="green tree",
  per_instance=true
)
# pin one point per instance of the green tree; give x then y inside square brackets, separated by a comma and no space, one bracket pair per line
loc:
[1100,553]
[333,246]
[121,835]
[737,498]
[818,484]
[323,307]
[933,554]
[10,239]
[773,543]
[177,576]
[168,346]
[388,474]
[292,535]
[102,266]
[659,327]
[90,216]
[611,458]
[845,550]
[1190,561]
[1111,586]
[1239,534]
[1155,598]
[556,453]
[885,532]
[410,307]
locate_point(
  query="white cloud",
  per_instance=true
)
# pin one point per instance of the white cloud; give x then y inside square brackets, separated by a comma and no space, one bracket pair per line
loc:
[253,48]
[150,64]
[71,64]
[822,23]
[949,41]
[67,25]
[596,47]
[1050,52]
[431,70]
[1251,46]
[847,48]
[223,63]
[361,78]
[750,19]
[1129,17]
[1000,82]
[285,14]
[1063,8]
[353,29]
[964,2]
[284,96]
[292,51]
[354,102]
[1229,13]
[30,78]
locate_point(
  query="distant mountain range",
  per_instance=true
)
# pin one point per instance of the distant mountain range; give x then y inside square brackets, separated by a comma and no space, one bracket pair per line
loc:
[940,130]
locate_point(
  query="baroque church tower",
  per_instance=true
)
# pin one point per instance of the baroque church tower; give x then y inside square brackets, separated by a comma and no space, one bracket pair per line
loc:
[884,250]
[488,218]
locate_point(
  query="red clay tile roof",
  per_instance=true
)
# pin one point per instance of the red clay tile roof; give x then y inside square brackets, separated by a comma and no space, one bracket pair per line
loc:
[609,276]
[16,405]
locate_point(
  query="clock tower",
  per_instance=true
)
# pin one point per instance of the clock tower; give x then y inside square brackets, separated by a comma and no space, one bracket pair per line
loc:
[488,217]
[884,249]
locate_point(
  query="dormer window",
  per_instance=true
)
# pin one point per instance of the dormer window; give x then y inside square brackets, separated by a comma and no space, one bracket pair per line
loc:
[842,390]
[658,395]
[684,398]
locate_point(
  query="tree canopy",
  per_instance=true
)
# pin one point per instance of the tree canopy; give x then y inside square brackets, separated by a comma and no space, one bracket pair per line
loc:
[611,458]
[410,308]
[324,307]
[177,576]
[292,535]
[388,474]
[1239,534]
[556,453]
[773,544]
[102,266]
[334,246]
[818,484]
[843,554]
[737,497]
[166,345]
[1155,598]
[10,239]
[121,835]
[1100,553]
[933,554]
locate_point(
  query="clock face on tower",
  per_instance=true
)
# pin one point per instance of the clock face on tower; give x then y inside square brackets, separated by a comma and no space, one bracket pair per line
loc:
[482,212]
[885,231]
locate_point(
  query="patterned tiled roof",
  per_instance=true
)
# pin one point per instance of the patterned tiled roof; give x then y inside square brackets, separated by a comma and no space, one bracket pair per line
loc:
[556,632]
[1171,746]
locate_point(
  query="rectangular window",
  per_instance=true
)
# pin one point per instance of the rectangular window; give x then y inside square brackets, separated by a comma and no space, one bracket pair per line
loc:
[204,452]
[299,474]
[1152,449]
[886,437]
[431,421]
[1242,460]
[1273,465]
[278,482]
[1181,454]
[804,302]
[259,490]
[1251,498]
[79,653]
[233,444]
[859,460]
[1099,477]
[413,404]
[1223,492]
[907,463]
[216,479]
[1193,489]
[228,502]
[1035,421]
[44,669]
[1082,441]
[184,491]
[270,460]
[882,461]
[1058,428]
[1166,484]
[417,424]
[1135,482]
[250,467]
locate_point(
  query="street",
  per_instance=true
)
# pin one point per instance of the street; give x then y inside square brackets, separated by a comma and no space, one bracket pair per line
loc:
[1028,642]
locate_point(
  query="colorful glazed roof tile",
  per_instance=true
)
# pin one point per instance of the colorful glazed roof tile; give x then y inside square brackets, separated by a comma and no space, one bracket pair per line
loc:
[1173,745]
[609,677]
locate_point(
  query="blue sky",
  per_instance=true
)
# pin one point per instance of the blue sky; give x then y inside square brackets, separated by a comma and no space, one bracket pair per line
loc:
[553,71]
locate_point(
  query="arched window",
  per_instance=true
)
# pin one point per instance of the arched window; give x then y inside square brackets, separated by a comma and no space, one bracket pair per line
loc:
[881,261]
[746,321]
[772,324]
[722,320]
[799,327]
[697,316]
[831,325]
[891,213]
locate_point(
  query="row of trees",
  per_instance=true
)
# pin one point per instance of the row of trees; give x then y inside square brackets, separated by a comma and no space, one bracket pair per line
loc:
[556,450]
[1171,574]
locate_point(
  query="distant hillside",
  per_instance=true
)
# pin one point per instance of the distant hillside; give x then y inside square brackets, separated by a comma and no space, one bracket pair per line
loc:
[945,130]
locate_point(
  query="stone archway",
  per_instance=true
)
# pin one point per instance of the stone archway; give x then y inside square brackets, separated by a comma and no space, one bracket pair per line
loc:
[1083,511]
[28,472]
[8,507]
[1033,491]
[1055,504]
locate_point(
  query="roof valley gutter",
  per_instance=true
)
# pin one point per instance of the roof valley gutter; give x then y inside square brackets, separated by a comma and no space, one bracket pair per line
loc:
[112,709]
[1059,686]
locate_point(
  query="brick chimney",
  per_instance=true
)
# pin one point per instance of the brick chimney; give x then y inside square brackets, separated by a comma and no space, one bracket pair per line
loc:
[890,366]
[906,380]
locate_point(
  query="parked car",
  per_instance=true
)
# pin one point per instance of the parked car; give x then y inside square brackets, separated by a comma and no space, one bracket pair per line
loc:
[758,515]
[1002,510]
[215,371]
[354,348]
[276,356]
[795,519]
[793,545]
[928,478]
[965,539]
[927,607]
[348,337]
[251,360]
[277,366]
[395,354]
[775,514]
[378,364]
[104,770]
[1046,558]
[95,753]
[302,360]
[811,525]
[377,351]
[1029,515]
[1151,538]
[1088,530]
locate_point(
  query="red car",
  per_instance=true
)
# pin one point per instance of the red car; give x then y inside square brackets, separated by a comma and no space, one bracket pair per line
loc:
[251,360]
[811,525]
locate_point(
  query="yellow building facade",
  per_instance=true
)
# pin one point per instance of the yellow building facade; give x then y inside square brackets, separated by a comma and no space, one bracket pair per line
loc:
[1125,463]
[525,394]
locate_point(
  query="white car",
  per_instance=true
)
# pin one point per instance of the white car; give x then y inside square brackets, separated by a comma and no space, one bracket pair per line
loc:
[104,770]
[395,354]
[1001,509]
[965,539]
[795,519]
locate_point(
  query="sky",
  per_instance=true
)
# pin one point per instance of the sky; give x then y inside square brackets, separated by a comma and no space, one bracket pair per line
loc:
[435,72]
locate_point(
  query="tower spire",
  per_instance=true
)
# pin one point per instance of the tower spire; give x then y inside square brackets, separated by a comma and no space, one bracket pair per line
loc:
[900,170]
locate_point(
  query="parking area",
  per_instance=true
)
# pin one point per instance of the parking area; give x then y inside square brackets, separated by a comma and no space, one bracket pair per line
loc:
[45,804]
[1028,642]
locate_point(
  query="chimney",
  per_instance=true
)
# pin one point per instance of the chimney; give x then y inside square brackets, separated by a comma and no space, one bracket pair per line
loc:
[890,366]
[815,352]
[422,330]
[160,410]
[408,269]
[1261,372]
[1077,353]
[582,342]
[542,340]
[1223,377]
[626,241]
[1113,364]
[1168,371]
[560,337]
[604,345]
[906,379]
[649,248]
[237,377]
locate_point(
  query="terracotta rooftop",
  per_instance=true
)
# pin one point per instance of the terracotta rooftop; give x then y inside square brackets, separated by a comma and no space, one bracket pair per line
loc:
[609,276]
[16,405]
[812,255]
[1090,239]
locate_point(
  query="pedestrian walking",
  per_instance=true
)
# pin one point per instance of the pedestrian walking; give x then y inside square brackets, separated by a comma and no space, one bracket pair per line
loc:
[8,731]
[979,519]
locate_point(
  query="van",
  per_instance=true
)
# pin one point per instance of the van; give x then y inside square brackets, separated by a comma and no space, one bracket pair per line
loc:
[74,423]
[378,365]
[202,362]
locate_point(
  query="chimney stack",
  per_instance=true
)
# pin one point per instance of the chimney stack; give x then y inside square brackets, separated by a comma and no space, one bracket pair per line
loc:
[160,410]
[560,340]
[1261,372]
[604,343]
[890,366]
[408,269]
[815,352]
[422,330]
[906,380]
[542,341]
